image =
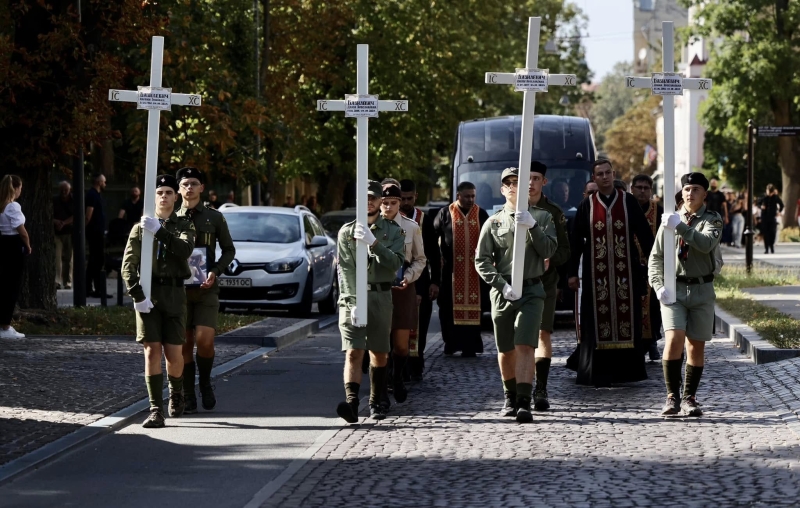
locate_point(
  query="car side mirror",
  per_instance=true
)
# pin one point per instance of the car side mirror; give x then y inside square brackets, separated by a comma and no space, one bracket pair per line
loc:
[318,241]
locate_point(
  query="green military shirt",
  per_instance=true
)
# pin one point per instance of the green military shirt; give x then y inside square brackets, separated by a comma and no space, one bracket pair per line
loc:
[175,239]
[550,277]
[385,258]
[211,227]
[702,237]
[496,246]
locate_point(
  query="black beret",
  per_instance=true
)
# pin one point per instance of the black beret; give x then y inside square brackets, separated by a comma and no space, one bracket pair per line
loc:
[167,181]
[391,191]
[695,179]
[538,167]
[189,172]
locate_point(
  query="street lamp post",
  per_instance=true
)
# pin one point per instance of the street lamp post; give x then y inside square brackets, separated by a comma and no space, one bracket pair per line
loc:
[748,232]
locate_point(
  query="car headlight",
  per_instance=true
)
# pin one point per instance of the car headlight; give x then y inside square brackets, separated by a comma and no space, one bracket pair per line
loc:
[285,265]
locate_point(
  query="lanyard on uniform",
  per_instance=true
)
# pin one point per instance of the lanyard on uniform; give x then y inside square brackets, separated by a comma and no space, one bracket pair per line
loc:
[162,250]
[683,251]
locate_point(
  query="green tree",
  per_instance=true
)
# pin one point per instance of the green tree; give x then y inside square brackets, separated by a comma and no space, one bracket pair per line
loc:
[612,100]
[755,67]
[629,134]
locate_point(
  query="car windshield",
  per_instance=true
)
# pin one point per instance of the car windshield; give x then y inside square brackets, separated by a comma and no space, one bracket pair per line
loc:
[564,187]
[263,227]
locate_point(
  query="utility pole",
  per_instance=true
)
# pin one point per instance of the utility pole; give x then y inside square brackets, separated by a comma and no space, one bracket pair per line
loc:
[79,222]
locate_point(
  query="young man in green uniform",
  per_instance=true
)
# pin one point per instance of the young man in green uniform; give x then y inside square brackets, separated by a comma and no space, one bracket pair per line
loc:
[160,319]
[517,318]
[202,302]
[544,353]
[690,319]
[385,240]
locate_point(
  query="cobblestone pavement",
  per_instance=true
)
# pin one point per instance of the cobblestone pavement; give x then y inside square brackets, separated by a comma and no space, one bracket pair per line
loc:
[446,446]
[51,387]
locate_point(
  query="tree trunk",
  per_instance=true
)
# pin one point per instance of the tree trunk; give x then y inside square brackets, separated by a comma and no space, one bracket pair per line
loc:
[39,276]
[788,154]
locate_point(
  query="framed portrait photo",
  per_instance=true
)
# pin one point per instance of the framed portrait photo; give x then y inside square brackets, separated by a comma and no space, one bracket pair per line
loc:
[198,265]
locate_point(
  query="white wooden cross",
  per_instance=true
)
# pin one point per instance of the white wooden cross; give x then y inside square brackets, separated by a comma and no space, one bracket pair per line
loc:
[154,99]
[529,81]
[668,84]
[361,106]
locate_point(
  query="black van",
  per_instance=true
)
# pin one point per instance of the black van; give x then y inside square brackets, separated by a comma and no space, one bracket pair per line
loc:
[485,146]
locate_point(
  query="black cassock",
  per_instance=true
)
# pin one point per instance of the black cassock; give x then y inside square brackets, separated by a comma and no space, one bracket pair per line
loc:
[601,367]
[465,338]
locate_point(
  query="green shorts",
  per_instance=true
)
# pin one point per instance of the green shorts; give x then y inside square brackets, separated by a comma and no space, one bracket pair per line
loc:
[376,336]
[692,312]
[517,323]
[166,322]
[202,307]
[549,312]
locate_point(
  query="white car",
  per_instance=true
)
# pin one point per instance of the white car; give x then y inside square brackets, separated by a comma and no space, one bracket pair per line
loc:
[283,260]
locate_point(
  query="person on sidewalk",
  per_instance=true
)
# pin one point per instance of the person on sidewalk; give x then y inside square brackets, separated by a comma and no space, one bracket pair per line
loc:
[385,240]
[517,318]
[651,309]
[63,215]
[15,244]
[133,208]
[771,207]
[161,319]
[96,237]
[457,228]
[544,352]
[202,302]
[404,293]
[690,320]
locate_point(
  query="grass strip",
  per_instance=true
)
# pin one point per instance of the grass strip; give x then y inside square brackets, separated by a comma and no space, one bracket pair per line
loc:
[104,321]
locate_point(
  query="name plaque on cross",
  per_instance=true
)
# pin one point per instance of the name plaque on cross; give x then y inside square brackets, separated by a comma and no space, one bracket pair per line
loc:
[151,97]
[361,106]
[666,83]
[530,80]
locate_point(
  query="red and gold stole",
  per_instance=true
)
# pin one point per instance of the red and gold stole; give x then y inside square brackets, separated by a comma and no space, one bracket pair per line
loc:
[647,325]
[466,285]
[612,275]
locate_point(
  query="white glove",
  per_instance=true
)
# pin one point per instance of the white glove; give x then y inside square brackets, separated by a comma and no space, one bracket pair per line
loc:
[509,294]
[150,223]
[670,220]
[144,306]
[525,219]
[363,235]
[662,294]
[354,319]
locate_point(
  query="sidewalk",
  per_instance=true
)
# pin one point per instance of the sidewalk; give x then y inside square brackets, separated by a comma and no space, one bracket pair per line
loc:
[50,387]
[787,255]
[65,297]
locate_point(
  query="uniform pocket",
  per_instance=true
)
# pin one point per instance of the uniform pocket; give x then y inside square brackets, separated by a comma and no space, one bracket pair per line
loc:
[503,237]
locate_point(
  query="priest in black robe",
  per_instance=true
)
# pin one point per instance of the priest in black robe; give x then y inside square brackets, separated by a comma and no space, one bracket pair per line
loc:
[607,226]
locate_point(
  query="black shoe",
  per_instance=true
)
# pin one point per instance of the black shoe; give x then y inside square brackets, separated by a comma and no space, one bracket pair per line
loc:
[400,392]
[524,411]
[469,354]
[155,420]
[176,404]
[672,407]
[510,405]
[540,402]
[207,396]
[377,411]
[191,405]
[348,411]
[690,407]
[653,352]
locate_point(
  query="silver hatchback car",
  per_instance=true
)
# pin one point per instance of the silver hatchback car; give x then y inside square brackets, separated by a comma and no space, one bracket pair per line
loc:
[283,260]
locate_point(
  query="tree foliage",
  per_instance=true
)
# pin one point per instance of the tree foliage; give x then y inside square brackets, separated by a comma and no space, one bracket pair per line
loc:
[755,65]
[613,99]
[629,134]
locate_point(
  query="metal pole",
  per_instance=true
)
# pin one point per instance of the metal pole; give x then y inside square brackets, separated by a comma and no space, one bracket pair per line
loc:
[749,234]
[256,188]
[78,233]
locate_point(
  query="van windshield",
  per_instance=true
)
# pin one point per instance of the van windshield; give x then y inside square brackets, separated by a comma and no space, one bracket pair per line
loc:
[564,186]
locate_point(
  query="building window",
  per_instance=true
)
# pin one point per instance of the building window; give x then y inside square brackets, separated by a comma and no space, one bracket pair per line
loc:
[646,5]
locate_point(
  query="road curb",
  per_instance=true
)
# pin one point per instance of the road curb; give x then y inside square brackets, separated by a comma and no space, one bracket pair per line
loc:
[749,341]
[279,339]
[122,418]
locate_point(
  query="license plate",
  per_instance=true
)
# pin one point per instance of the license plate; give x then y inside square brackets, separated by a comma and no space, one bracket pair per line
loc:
[235,283]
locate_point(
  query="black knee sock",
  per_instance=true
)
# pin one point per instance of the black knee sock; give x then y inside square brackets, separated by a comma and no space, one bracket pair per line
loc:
[377,383]
[510,388]
[398,366]
[204,366]
[672,376]
[693,375]
[542,370]
[175,384]
[188,379]
[155,390]
[351,391]
[524,391]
